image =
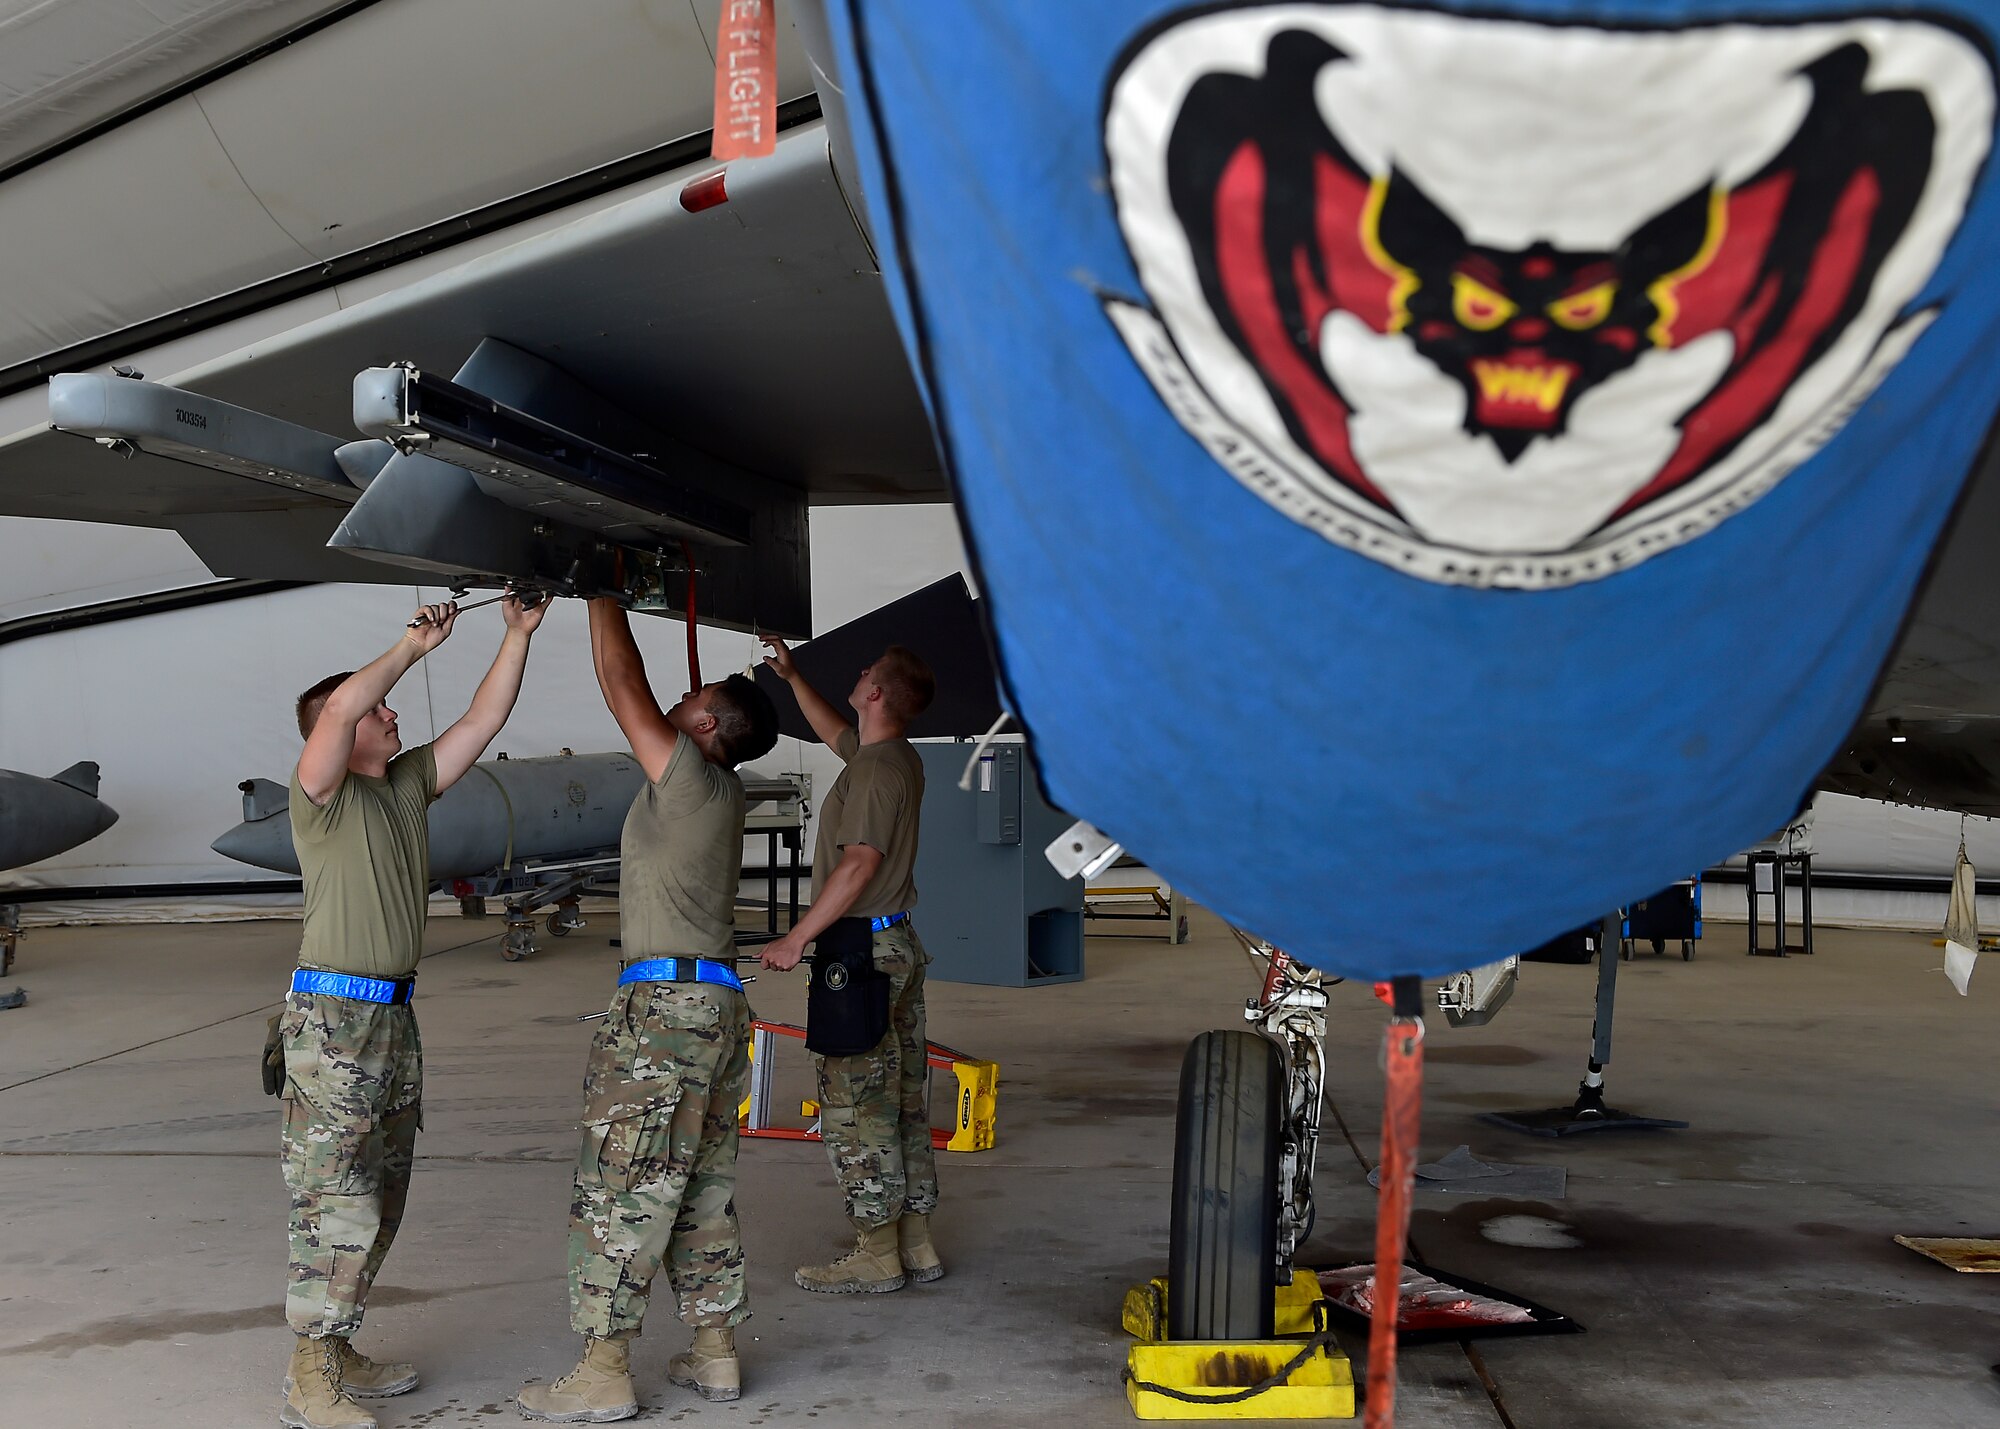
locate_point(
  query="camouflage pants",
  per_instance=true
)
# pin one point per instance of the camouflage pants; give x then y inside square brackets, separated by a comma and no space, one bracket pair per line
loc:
[875,1107]
[656,1176]
[354,1074]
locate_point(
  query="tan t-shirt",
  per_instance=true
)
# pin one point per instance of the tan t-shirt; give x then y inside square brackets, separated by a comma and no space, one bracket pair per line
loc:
[877,800]
[365,858]
[681,857]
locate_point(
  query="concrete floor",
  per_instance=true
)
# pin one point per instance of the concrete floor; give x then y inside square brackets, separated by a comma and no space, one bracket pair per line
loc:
[1740,1273]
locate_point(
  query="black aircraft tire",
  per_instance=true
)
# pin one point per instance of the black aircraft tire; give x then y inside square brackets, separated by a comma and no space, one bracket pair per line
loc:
[1222,1248]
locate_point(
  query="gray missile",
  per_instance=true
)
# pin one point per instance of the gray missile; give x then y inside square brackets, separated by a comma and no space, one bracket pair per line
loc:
[40,818]
[504,811]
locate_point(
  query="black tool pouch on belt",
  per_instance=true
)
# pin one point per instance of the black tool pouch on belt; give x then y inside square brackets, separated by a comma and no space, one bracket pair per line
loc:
[847,1001]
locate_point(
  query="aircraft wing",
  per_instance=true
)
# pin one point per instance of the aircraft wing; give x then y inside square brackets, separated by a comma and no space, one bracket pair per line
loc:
[732,323]
[710,323]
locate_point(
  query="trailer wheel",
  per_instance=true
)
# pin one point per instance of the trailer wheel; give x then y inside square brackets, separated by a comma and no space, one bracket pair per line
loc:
[1222,1248]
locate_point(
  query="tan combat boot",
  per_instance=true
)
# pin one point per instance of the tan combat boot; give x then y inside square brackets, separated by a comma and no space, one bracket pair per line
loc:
[597,1391]
[710,1367]
[914,1248]
[313,1396]
[365,1379]
[871,1268]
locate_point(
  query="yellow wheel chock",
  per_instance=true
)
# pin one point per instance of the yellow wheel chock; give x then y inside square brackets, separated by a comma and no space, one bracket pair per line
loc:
[1308,1378]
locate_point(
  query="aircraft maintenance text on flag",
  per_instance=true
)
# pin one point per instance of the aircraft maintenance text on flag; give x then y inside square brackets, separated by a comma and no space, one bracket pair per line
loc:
[1437,475]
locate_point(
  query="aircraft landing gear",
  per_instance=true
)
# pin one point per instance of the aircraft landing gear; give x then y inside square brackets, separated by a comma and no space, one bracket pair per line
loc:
[1221,1257]
[1245,1143]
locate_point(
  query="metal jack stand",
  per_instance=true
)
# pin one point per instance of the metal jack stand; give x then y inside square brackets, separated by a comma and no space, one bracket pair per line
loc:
[1777,862]
[1588,1112]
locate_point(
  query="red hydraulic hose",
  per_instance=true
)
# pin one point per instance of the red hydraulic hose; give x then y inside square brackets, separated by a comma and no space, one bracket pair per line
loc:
[694,653]
[1402,1113]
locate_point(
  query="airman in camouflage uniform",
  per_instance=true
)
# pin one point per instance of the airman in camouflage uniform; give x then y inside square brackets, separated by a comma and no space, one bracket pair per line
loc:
[874,1113]
[352,1112]
[352,1064]
[655,1179]
[875,1107]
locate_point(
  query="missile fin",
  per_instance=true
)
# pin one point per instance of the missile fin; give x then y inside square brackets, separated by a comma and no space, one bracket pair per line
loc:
[263,798]
[80,776]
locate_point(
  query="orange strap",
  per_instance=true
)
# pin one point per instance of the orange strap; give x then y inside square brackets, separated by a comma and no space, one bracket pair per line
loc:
[1402,1114]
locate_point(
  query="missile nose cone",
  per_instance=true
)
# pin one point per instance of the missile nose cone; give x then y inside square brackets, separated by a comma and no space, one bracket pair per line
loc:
[41,818]
[102,817]
[265,843]
[90,812]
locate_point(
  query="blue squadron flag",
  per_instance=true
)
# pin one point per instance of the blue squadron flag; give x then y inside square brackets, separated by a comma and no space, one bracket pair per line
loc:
[1439,472]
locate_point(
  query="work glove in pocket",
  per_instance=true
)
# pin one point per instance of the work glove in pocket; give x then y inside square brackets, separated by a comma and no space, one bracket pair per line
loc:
[274,1058]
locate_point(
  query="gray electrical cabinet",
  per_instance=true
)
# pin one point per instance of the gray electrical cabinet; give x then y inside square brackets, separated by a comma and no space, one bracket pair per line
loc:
[990,909]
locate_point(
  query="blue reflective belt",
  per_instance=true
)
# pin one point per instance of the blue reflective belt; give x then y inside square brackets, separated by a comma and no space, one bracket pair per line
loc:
[889,920]
[681,970]
[361,989]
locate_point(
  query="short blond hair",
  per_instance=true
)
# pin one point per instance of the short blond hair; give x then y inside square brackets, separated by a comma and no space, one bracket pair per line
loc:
[908,687]
[314,700]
